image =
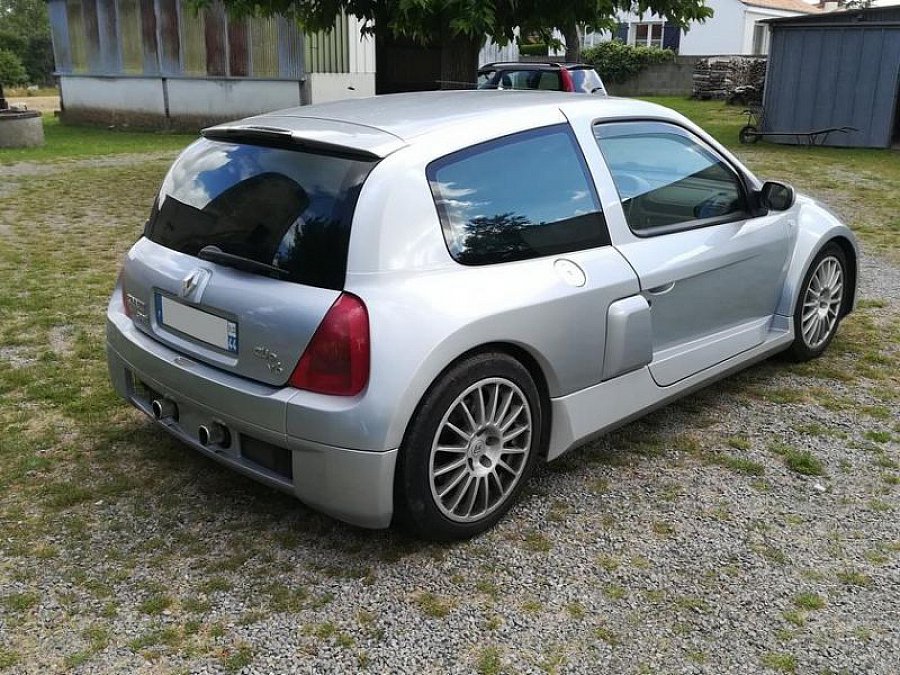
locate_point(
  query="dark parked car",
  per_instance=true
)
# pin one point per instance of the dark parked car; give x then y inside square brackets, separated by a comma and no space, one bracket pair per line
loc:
[576,77]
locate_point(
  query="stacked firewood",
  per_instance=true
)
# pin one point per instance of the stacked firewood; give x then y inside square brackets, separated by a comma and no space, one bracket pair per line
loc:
[717,77]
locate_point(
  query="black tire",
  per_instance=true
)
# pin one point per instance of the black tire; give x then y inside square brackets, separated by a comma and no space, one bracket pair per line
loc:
[748,134]
[418,507]
[800,349]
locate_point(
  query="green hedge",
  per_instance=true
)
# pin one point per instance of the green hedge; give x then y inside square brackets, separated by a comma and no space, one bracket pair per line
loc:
[539,49]
[618,62]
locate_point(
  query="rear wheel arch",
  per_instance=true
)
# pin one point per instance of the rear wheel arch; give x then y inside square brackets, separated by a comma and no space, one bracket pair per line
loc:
[521,354]
[850,256]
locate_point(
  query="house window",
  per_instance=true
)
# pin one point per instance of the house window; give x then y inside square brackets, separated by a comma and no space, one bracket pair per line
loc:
[646,34]
[760,38]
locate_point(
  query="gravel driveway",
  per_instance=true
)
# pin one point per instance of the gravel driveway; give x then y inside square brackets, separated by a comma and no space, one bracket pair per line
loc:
[749,528]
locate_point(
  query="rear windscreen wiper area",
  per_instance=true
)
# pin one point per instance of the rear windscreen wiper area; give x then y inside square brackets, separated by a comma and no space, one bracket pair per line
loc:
[217,255]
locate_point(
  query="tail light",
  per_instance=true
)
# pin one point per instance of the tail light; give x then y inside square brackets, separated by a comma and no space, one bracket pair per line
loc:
[336,361]
[568,84]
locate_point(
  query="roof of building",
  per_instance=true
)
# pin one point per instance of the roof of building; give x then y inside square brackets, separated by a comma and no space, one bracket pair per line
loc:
[873,16]
[380,125]
[785,5]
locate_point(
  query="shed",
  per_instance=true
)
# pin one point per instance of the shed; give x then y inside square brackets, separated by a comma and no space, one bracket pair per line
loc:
[161,63]
[832,70]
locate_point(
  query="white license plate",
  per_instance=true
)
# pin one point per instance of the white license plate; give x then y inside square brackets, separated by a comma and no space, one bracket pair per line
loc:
[200,325]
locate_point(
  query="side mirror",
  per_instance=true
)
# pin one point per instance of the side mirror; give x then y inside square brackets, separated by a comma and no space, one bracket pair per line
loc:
[776,196]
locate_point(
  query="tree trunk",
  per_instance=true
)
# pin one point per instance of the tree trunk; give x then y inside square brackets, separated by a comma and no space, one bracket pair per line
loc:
[459,60]
[573,43]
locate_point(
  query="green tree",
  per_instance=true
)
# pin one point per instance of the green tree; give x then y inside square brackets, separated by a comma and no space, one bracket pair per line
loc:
[25,31]
[459,26]
[12,72]
[24,17]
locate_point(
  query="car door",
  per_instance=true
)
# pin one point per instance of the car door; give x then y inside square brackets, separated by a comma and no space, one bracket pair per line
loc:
[711,270]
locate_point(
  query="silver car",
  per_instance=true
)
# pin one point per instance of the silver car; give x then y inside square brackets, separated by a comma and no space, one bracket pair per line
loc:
[394,308]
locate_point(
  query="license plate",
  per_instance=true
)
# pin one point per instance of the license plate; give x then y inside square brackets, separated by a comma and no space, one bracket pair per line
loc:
[200,325]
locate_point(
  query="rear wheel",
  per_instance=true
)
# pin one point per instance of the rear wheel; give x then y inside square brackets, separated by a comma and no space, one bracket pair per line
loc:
[819,304]
[470,448]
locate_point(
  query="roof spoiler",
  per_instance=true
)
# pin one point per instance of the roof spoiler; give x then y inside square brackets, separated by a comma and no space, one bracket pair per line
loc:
[283,138]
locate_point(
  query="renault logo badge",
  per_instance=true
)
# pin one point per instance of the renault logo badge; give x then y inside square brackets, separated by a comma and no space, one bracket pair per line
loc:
[192,281]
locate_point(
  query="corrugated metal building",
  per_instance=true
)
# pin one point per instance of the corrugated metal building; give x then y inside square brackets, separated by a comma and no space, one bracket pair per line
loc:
[833,70]
[159,63]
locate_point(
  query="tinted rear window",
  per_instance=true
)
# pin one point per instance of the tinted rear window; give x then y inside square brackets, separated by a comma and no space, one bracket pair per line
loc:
[523,196]
[281,207]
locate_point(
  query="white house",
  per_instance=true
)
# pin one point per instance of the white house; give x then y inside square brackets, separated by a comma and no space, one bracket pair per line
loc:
[734,28]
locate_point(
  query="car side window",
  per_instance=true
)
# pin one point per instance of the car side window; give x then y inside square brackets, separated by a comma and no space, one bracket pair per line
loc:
[667,178]
[522,196]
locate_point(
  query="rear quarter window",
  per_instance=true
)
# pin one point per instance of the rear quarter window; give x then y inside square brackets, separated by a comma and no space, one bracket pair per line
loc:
[522,196]
[287,208]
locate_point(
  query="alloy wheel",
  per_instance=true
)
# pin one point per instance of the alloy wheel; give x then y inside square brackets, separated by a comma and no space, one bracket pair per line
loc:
[822,302]
[480,449]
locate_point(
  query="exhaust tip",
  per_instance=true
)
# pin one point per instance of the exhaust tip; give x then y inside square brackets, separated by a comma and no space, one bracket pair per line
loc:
[164,409]
[214,434]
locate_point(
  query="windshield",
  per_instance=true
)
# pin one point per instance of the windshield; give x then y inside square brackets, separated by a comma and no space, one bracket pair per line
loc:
[281,207]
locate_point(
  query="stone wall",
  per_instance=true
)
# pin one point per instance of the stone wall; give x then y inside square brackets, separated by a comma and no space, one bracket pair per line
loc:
[673,78]
[716,77]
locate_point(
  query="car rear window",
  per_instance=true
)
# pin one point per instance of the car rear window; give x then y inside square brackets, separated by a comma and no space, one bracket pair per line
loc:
[586,80]
[522,196]
[287,208]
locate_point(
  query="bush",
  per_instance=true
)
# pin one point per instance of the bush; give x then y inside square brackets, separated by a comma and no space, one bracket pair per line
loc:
[617,62]
[12,72]
[534,50]
[12,42]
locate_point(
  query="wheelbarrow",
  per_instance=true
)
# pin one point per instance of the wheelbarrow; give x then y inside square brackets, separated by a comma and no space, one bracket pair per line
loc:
[750,132]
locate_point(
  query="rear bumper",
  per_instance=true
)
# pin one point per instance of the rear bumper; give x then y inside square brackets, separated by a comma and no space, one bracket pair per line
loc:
[355,486]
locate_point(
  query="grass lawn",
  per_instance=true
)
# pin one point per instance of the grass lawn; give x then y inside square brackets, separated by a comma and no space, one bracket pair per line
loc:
[64,141]
[104,519]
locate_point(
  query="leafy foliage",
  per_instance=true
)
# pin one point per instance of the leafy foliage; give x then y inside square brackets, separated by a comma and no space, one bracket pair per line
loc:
[12,72]
[428,20]
[539,49]
[25,31]
[618,62]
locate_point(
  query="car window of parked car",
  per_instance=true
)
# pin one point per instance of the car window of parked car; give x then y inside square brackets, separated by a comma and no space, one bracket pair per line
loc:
[529,79]
[285,208]
[486,79]
[522,196]
[667,178]
[587,80]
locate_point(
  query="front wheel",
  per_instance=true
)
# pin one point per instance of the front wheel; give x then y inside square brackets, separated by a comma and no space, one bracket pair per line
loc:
[470,448]
[819,304]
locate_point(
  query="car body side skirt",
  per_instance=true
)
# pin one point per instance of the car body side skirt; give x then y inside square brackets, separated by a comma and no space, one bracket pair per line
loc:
[591,412]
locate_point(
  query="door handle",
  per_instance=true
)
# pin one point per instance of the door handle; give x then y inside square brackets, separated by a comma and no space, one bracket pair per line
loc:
[661,290]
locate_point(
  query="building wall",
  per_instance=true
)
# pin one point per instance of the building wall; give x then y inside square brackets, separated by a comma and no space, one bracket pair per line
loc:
[491,52]
[324,87]
[833,76]
[159,63]
[125,94]
[659,79]
[721,34]
[728,32]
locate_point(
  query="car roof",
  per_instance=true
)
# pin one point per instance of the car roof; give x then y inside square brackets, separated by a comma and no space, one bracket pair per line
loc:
[380,125]
[533,65]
